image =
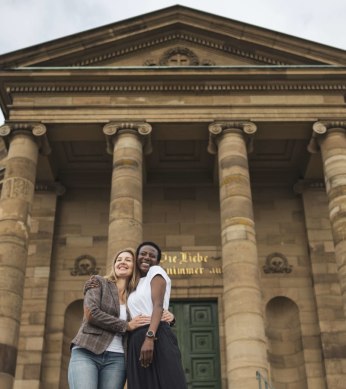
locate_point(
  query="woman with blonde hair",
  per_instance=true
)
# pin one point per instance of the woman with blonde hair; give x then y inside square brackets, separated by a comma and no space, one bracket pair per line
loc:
[98,349]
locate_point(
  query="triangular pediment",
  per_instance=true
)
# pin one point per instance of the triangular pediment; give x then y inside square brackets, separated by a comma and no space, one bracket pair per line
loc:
[175,50]
[175,36]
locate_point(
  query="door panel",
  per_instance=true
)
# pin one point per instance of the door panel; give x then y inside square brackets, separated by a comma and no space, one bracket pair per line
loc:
[197,332]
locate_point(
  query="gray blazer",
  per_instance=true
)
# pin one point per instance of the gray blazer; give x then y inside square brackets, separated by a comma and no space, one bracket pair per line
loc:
[101,317]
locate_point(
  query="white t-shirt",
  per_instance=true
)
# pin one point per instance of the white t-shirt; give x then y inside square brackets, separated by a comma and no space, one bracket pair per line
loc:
[116,345]
[139,301]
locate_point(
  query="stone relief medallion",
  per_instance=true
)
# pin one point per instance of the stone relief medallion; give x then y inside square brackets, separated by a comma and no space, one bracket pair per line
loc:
[203,62]
[277,263]
[85,265]
[179,56]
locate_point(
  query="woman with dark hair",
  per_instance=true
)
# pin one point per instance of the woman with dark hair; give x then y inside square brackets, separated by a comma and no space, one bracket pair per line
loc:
[98,350]
[154,359]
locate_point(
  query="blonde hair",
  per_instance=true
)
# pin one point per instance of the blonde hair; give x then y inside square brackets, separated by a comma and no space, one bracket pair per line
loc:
[133,281]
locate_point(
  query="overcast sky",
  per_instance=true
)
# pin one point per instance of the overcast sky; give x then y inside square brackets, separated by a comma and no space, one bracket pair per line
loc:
[28,22]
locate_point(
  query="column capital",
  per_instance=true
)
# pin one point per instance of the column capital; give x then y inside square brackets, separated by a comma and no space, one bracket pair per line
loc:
[320,128]
[218,127]
[37,130]
[112,129]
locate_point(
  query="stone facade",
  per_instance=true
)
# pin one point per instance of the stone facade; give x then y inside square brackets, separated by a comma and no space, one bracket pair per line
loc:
[222,142]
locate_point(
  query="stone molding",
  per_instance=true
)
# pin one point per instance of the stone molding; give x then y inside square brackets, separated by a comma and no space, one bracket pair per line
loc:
[320,128]
[55,187]
[112,129]
[218,127]
[37,130]
[169,87]
[190,38]
[302,185]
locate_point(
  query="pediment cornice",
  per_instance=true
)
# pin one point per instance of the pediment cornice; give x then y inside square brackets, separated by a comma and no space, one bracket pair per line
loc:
[178,38]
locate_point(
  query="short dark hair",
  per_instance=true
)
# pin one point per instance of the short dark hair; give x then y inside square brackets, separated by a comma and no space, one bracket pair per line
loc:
[152,244]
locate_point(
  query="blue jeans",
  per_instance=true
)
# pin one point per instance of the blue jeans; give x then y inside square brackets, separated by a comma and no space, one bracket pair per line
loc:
[87,370]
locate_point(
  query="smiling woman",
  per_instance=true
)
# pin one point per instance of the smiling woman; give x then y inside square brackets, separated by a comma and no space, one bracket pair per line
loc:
[154,359]
[97,360]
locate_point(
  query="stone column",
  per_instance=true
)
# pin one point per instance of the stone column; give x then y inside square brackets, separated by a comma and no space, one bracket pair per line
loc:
[243,308]
[330,137]
[15,211]
[125,141]
[323,333]
[32,336]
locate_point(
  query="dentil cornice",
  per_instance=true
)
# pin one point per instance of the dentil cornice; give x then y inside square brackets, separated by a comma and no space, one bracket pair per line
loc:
[178,37]
[168,87]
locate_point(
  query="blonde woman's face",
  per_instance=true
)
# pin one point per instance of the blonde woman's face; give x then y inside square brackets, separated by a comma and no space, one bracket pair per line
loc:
[123,265]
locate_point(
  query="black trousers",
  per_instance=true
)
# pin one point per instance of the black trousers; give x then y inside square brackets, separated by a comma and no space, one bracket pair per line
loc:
[166,371]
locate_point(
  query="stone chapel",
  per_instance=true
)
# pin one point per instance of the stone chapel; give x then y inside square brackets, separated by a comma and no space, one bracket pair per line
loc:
[223,142]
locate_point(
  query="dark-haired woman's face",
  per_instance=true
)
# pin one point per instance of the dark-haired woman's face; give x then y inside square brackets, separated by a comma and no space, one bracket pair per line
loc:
[147,257]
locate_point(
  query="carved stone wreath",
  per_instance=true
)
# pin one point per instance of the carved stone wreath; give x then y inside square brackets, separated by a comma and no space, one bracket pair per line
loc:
[179,54]
[277,263]
[85,265]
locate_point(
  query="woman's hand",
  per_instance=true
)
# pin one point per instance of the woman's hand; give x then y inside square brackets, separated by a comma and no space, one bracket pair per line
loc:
[147,352]
[168,317]
[138,321]
[92,282]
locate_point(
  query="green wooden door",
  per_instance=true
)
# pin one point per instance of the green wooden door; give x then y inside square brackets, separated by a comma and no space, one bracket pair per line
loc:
[197,332]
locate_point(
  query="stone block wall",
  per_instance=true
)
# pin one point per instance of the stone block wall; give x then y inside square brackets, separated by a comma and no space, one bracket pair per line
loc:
[326,285]
[187,219]
[177,217]
[81,231]
[290,228]
[282,236]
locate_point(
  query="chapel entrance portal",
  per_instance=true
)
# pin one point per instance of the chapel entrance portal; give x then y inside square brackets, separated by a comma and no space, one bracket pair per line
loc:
[198,337]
